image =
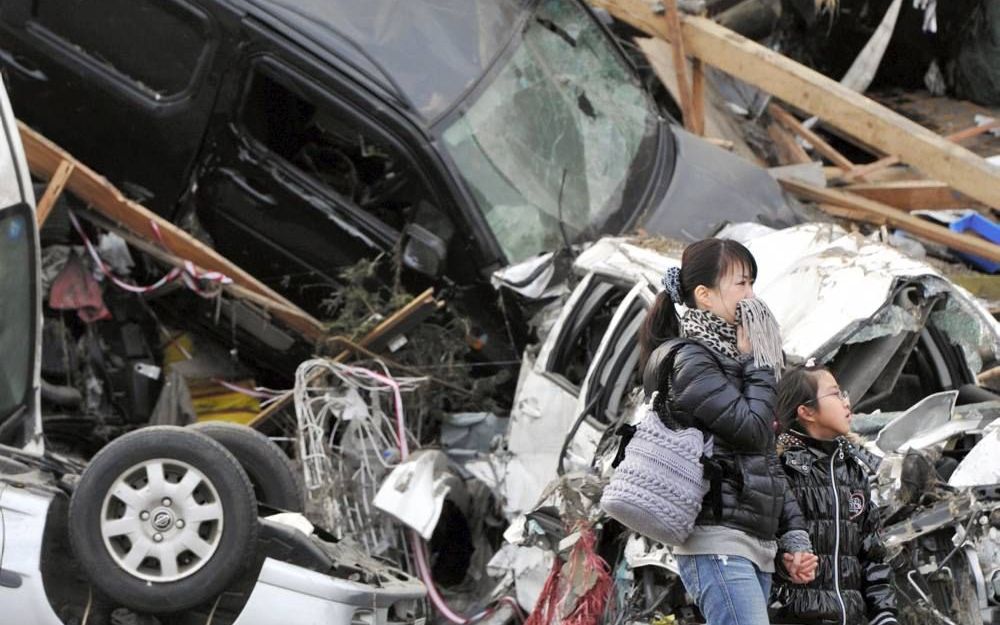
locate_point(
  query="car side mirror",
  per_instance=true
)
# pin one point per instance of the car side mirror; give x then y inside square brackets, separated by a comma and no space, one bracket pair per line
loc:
[427,238]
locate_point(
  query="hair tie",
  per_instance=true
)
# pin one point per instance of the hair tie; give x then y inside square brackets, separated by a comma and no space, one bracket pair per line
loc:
[810,363]
[672,284]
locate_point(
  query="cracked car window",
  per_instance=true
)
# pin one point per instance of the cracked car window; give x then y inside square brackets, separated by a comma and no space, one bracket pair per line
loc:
[561,134]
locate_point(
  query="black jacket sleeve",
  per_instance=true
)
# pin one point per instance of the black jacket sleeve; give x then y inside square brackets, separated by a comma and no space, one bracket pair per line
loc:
[791,514]
[880,597]
[741,418]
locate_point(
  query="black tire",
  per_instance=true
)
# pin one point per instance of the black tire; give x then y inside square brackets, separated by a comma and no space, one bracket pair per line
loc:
[219,508]
[275,482]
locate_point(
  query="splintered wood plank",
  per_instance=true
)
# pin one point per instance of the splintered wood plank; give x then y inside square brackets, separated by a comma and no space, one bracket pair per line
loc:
[698,96]
[680,65]
[53,191]
[788,149]
[794,125]
[910,195]
[852,214]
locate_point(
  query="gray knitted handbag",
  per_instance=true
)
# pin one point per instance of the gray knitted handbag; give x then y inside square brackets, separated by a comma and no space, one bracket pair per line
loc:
[658,487]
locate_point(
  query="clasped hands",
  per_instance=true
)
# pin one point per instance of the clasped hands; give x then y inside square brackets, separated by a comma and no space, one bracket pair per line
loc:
[801,566]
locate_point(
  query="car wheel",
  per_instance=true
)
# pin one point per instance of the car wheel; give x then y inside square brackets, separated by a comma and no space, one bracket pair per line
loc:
[275,482]
[163,519]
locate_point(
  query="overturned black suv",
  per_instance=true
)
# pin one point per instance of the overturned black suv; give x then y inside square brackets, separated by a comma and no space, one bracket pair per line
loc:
[308,134]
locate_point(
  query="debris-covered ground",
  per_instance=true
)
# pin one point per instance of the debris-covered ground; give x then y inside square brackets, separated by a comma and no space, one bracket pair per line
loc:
[348,332]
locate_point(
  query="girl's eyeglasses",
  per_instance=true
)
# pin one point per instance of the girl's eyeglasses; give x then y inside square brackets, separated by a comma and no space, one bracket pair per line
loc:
[842,394]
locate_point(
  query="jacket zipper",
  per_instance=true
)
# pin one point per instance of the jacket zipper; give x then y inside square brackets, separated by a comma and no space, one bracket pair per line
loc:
[836,547]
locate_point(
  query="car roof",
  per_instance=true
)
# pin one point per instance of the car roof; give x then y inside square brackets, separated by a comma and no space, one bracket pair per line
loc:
[394,42]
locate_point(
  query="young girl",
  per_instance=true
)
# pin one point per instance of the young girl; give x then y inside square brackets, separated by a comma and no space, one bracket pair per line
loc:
[715,385]
[828,473]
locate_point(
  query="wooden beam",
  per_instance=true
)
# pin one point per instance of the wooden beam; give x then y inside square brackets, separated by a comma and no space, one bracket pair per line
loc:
[861,171]
[891,174]
[680,64]
[788,149]
[698,96]
[896,218]
[852,214]
[45,158]
[52,192]
[789,121]
[818,95]
[170,260]
[911,195]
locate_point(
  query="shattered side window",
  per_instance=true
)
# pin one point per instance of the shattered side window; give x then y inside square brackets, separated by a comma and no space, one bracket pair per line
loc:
[618,374]
[16,308]
[356,163]
[581,335]
[155,43]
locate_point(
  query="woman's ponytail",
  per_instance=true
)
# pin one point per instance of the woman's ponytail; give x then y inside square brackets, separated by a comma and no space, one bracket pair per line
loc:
[661,324]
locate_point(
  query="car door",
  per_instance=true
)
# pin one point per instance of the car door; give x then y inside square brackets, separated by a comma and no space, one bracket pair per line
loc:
[546,402]
[609,393]
[305,181]
[20,419]
[126,86]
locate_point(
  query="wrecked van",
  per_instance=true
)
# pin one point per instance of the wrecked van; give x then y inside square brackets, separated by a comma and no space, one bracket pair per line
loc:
[163,520]
[305,135]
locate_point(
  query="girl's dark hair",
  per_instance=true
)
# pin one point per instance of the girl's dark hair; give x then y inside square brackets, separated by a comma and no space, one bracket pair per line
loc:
[798,386]
[703,263]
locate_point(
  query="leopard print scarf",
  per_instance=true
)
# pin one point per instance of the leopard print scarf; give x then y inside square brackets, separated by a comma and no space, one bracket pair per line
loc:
[710,330]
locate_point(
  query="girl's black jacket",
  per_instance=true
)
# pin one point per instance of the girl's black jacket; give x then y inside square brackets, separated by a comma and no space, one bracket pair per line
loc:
[853,585]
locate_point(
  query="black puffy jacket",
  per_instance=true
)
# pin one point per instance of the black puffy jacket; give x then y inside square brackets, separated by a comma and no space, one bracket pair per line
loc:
[830,479]
[734,402]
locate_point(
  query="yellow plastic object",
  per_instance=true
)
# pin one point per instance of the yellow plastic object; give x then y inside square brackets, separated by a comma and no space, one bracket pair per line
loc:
[211,401]
[214,402]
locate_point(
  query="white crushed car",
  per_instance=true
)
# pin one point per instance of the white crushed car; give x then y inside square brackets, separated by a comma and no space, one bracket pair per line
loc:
[893,330]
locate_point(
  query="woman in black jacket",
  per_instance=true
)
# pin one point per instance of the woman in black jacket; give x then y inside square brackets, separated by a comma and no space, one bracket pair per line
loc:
[829,476]
[712,382]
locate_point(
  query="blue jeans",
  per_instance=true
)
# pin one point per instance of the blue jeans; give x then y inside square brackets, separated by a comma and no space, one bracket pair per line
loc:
[729,590]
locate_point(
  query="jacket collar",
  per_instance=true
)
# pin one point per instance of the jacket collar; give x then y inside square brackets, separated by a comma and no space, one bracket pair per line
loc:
[801,451]
[819,447]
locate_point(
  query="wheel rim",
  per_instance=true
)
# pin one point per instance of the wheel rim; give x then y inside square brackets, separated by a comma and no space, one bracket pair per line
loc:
[162,520]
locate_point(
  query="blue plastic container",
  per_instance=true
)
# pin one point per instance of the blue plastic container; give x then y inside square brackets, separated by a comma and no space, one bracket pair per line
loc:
[976,223]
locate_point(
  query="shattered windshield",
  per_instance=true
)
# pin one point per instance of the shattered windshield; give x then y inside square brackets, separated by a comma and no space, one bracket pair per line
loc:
[564,133]
[16,309]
